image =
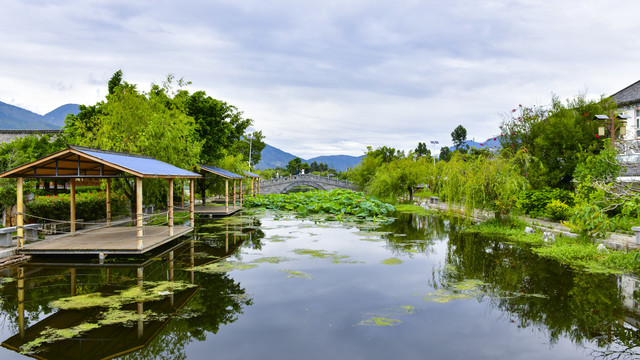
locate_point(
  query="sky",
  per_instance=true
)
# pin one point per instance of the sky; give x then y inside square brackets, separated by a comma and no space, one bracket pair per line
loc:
[327,77]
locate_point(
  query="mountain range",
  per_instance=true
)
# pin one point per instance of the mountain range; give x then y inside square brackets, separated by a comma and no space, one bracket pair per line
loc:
[272,157]
[16,118]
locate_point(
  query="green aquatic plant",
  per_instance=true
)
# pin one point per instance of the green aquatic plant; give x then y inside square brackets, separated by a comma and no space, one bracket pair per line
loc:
[379,321]
[392,261]
[272,259]
[322,254]
[50,335]
[221,267]
[148,292]
[335,202]
[465,289]
[297,274]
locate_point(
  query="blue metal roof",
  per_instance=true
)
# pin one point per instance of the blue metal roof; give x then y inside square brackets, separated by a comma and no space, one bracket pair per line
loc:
[251,174]
[221,172]
[144,165]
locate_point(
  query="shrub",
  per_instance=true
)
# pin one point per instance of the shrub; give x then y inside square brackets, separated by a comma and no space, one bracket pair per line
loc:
[89,206]
[557,210]
[534,202]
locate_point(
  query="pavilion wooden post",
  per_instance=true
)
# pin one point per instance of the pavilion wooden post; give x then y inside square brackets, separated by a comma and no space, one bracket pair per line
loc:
[226,195]
[252,193]
[192,202]
[108,201]
[170,207]
[72,199]
[20,215]
[235,191]
[182,187]
[241,193]
[139,228]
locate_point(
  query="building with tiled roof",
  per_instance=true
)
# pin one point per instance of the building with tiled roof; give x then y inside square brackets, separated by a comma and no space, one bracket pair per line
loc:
[628,101]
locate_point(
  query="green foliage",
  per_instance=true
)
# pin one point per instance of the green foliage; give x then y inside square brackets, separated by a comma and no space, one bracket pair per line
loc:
[335,202]
[445,154]
[603,166]
[421,150]
[89,206]
[534,202]
[558,137]
[557,210]
[482,183]
[398,177]
[458,136]
[27,149]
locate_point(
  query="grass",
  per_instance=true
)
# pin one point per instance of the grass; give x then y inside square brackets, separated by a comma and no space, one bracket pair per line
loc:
[579,253]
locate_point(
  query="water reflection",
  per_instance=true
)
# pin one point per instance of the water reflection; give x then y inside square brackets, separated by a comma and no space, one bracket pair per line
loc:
[167,319]
[543,294]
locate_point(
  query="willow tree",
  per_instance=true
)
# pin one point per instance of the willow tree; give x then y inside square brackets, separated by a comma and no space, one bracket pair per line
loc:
[482,183]
[399,177]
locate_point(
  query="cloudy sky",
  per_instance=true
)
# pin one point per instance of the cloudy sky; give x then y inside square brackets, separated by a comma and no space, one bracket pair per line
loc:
[327,77]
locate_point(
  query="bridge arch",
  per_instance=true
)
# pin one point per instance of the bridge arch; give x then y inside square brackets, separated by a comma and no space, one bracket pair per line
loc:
[294,184]
[285,184]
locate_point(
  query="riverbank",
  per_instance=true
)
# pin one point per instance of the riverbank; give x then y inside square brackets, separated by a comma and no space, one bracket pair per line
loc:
[616,241]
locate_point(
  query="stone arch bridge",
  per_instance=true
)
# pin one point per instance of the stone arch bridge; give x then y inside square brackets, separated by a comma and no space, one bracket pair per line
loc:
[285,184]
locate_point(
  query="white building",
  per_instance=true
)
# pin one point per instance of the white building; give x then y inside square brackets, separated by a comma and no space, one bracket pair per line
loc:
[628,100]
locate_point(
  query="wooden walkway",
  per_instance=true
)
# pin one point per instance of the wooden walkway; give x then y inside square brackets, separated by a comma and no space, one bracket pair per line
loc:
[111,240]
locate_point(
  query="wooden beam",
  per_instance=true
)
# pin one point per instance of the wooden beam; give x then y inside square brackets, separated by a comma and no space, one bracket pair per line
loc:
[170,208]
[108,202]
[241,193]
[20,215]
[192,202]
[226,195]
[139,228]
[72,199]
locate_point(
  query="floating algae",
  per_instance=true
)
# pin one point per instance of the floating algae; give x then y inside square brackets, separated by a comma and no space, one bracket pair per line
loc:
[271,259]
[466,289]
[322,254]
[387,318]
[149,292]
[298,274]
[50,335]
[109,317]
[379,321]
[392,261]
[222,266]
[279,238]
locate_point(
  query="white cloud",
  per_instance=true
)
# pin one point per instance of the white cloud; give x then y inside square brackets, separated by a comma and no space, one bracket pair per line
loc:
[329,77]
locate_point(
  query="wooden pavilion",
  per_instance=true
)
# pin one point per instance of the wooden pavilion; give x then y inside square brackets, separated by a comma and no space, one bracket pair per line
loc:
[226,175]
[255,182]
[77,162]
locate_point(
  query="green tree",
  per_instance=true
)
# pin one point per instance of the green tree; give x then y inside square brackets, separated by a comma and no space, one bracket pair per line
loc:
[294,165]
[421,150]
[399,177]
[458,136]
[557,137]
[445,154]
[150,123]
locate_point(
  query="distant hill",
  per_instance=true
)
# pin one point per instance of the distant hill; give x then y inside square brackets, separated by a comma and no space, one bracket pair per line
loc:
[272,157]
[16,118]
[57,116]
[487,144]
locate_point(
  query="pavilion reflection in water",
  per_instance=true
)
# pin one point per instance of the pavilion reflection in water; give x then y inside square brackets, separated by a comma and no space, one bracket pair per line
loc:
[110,341]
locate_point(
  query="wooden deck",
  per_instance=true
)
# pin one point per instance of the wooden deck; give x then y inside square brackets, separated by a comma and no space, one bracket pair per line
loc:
[113,240]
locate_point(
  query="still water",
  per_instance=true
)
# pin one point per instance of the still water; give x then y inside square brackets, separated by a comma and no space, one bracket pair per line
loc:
[272,286]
